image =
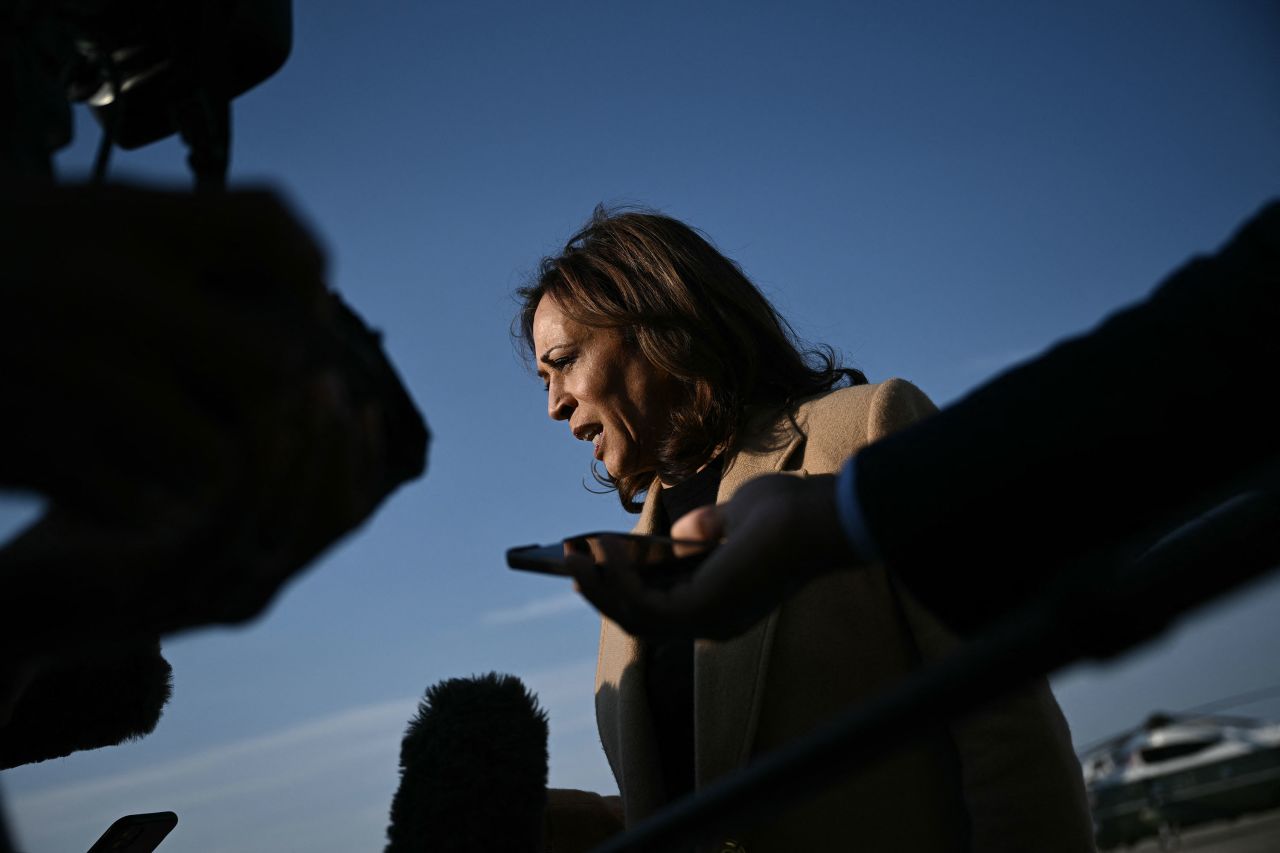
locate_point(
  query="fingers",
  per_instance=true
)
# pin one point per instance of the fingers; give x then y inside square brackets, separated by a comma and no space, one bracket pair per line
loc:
[704,524]
[599,586]
[778,532]
[617,588]
[620,591]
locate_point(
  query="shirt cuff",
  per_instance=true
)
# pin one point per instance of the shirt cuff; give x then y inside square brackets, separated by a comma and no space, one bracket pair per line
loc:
[849,508]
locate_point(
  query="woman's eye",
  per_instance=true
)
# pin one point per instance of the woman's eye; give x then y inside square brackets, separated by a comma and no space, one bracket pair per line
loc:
[559,365]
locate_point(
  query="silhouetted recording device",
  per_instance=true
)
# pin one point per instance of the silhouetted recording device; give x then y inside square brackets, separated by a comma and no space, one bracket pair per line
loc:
[136,833]
[660,559]
[473,770]
[147,68]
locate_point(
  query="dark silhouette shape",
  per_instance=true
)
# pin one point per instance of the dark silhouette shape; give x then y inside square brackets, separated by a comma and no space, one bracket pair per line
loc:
[149,69]
[96,699]
[473,770]
[136,833]
[1101,437]
[202,413]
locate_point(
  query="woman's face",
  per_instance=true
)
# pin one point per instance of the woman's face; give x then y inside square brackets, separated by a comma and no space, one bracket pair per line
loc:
[604,387]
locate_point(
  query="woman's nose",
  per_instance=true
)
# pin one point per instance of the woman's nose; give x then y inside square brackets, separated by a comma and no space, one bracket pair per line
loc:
[559,404]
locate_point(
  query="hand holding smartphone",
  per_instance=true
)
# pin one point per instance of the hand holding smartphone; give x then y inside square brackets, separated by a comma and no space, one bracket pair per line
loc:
[658,559]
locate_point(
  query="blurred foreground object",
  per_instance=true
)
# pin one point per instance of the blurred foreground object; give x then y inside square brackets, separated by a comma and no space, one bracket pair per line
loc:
[473,770]
[147,68]
[203,414]
[94,699]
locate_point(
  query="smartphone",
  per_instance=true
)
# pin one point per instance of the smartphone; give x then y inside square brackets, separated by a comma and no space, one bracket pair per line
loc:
[136,833]
[658,557]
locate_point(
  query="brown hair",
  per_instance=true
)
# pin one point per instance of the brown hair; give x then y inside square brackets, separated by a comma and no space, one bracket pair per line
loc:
[692,313]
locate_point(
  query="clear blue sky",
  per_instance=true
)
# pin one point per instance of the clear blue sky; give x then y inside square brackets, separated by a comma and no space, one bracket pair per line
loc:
[936,191]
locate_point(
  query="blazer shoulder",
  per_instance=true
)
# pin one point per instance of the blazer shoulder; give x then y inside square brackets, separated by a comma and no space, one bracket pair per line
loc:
[841,422]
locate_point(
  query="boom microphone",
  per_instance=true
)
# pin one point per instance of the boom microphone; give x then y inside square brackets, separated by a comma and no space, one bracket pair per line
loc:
[473,770]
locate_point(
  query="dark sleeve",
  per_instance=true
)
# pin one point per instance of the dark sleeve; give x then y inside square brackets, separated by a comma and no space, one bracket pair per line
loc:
[1098,438]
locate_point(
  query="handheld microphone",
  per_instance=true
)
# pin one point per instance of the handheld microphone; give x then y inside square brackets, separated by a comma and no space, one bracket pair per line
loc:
[473,770]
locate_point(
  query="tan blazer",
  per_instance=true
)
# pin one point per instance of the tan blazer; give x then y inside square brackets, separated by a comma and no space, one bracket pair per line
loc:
[1005,779]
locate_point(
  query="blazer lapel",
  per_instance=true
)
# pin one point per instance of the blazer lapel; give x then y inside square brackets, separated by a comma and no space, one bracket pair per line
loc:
[729,676]
[622,708]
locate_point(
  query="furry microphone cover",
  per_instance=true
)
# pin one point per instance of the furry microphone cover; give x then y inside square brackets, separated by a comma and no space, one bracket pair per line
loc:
[473,770]
[94,700]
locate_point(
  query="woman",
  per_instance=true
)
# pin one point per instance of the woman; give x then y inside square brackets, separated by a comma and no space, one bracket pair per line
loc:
[656,348]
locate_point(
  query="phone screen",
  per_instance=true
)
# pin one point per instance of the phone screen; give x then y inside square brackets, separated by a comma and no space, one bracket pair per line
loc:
[660,555]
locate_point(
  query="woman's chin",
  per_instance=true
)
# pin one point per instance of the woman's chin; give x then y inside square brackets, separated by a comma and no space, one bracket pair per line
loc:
[619,470]
[615,468]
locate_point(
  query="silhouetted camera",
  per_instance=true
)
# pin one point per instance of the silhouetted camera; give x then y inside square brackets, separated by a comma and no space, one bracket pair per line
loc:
[148,68]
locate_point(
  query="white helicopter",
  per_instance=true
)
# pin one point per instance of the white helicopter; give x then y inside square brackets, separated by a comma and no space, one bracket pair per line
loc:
[1179,770]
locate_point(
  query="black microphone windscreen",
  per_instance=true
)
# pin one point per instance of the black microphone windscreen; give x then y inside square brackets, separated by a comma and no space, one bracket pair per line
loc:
[473,770]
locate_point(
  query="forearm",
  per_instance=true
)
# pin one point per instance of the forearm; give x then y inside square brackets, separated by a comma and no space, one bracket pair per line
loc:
[1101,436]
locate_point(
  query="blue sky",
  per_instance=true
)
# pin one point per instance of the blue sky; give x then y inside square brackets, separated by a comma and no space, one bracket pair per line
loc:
[936,191]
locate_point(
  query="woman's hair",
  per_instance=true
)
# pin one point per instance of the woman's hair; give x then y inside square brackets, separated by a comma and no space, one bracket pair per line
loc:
[692,313]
